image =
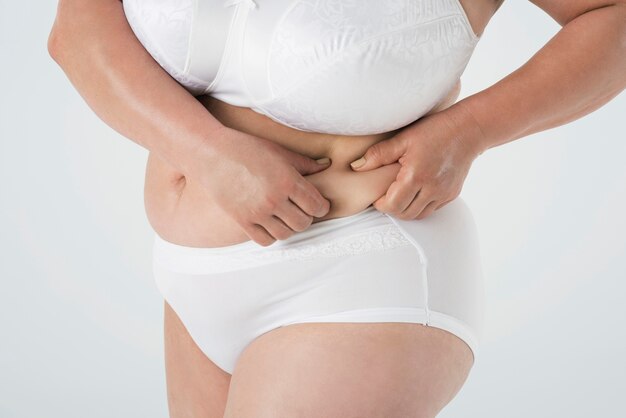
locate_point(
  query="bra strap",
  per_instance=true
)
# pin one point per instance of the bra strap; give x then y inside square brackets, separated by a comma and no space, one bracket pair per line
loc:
[209,32]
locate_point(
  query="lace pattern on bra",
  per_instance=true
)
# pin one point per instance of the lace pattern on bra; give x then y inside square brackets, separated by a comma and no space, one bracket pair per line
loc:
[355,67]
[379,238]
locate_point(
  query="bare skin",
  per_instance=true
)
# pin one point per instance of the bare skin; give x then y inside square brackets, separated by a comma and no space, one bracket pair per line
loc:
[306,367]
[180,211]
[294,366]
[198,388]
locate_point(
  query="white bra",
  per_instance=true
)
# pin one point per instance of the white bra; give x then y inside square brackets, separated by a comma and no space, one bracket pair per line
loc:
[349,67]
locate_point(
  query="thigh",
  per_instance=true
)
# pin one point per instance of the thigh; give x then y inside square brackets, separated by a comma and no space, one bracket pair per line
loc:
[392,369]
[196,387]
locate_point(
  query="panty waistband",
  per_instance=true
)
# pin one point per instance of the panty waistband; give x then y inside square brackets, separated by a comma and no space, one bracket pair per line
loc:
[364,231]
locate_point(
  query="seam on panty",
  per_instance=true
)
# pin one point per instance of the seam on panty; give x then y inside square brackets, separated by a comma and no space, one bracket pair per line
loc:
[423,261]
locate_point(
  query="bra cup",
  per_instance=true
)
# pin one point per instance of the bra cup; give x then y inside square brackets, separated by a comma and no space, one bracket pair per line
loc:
[353,68]
[377,87]
[346,67]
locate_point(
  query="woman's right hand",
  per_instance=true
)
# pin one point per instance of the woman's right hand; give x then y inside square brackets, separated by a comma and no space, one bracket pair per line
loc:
[259,184]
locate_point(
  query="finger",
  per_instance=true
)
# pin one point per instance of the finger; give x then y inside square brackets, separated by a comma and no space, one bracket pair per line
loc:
[309,199]
[416,207]
[381,153]
[293,216]
[259,235]
[277,228]
[445,202]
[306,165]
[400,195]
[428,210]
[382,203]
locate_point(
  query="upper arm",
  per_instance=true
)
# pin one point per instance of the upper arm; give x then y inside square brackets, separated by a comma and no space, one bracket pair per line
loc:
[72,15]
[563,11]
[78,24]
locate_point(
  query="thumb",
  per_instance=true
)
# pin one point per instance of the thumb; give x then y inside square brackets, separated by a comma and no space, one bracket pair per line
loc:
[382,153]
[306,165]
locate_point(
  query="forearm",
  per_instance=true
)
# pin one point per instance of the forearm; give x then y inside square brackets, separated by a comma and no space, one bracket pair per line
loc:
[96,48]
[580,69]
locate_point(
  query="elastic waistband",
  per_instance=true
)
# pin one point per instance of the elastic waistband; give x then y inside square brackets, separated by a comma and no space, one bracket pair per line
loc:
[314,230]
[367,230]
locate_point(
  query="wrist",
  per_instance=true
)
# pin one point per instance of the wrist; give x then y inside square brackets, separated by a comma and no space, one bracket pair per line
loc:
[469,131]
[206,150]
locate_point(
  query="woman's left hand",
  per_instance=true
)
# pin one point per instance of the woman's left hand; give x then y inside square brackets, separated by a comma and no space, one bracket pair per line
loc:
[435,154]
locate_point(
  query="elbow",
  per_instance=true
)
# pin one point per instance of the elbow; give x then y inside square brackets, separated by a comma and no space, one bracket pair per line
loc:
[71,24]
[57,42]
[61,45]
[55,47]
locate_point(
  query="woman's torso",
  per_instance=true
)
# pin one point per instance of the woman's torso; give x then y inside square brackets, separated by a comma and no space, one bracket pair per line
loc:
[180,211]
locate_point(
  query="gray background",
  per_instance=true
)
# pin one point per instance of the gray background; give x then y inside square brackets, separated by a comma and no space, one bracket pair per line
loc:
[80,318]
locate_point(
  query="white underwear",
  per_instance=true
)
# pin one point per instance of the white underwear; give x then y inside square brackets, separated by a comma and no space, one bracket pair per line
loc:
[366,267]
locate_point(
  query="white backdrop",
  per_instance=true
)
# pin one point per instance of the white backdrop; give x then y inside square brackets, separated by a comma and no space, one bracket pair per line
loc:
[80,318]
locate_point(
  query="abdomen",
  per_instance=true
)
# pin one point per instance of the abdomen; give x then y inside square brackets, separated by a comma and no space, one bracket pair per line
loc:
[180,211]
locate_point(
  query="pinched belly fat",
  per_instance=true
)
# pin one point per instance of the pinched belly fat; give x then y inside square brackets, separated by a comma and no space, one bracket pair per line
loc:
[182,212]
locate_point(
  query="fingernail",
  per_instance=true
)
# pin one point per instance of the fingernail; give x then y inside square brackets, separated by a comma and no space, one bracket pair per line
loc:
[358,163]
[324,160]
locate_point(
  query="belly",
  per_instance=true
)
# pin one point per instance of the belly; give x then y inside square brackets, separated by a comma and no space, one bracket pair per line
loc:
[181,212]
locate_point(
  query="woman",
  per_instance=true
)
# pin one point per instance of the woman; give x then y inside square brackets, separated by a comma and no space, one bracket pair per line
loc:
[324,290]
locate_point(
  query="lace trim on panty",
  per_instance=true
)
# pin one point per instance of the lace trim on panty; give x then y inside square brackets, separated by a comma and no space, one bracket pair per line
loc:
[380,238]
